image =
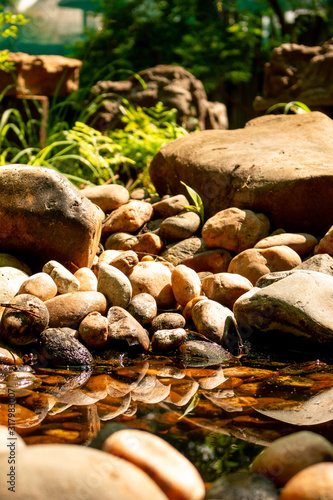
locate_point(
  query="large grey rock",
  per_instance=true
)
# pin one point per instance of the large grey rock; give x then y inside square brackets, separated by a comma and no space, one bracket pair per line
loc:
[299,304]
[279,165]
[44,217]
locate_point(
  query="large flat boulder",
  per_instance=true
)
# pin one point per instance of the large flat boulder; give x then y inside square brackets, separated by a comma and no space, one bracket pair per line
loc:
[281,165]
[44,217]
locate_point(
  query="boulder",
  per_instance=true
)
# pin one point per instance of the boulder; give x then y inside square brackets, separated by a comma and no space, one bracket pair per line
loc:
[298,304]
[44,217]
[271,166]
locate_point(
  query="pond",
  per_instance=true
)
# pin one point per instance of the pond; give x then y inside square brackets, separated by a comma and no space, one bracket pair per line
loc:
[218,415]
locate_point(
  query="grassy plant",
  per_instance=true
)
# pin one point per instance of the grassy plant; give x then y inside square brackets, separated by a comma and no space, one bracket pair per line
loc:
[295,107]
[198,207]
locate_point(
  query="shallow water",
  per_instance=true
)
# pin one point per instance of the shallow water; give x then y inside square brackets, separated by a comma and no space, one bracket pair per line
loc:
[218,415]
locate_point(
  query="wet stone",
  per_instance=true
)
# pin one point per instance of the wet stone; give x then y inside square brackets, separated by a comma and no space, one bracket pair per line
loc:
[167,321]
[143,308]
[123,327]
[201,353]
[168,340]
[57,348]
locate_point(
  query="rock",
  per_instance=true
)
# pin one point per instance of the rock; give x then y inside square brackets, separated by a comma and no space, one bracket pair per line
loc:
[325,245]
[125,261]
[7,260]
[23,319]
[8,356]
[50,75]
[56,471]
[128,218]
[108,255]
[297,304]
[255,262]
[87,279]
[176,253]
[168,340]
[167,321]
[143,308]
[288,455]
[200,353]
[62,349]
[114,285]
[5,436]
[69,309]
[123,327]
[43,217]
[139,194]
[64,279]
[213,320]
[40,285]
[11,280]
[297,73]
[174,474]
[108,196]
[187,311]
[170,207]
[225,288]
[301,243]
[155,279]
[142,243]
[94,329]
[175,87]
[313,483]
[180,226]
[271,173]
[214,261]
[186,284]
[242,485]
[234,229]
[269,279]
[322,263]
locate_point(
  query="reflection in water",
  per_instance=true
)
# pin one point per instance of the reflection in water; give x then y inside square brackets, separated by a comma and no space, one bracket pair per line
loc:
[183,404]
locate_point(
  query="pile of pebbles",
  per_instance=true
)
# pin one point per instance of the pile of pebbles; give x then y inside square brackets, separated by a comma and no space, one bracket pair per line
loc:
[159,274]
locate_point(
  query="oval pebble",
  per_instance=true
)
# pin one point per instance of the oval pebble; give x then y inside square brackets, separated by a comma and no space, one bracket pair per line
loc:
[40,285]
[186,284]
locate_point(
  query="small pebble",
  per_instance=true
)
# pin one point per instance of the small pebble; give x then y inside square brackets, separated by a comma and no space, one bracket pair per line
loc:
[168,340]
[87,279]
[143,308]
[40,285]
[64,279]
[93,329]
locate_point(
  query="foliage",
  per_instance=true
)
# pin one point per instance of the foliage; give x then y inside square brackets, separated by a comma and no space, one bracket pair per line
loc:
[198,206]
[295,107]
[8,28]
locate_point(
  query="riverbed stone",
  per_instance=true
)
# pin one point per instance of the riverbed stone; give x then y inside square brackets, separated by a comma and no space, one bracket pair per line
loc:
[153,278]
[168,340]
[167,321]
[313,483]
[235,229]
[114,285]
[11,280]
[123,327]
[302,243]
[128,218]
[271,173]
[43,217]
[87,279]
[93,329]
[108,196]
[213,320]
[255,262]
[186,284]
[69,309]
[225,288]
[40,285]
[58,348]
[298,304]
[174,473]
[213,261]
[143,308]
[63,278]
[169,207]
[62,471]
[176,253]
[180,226]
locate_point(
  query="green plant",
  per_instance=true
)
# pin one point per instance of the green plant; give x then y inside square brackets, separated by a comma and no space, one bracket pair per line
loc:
[198,206]
[8,28]
[294,107]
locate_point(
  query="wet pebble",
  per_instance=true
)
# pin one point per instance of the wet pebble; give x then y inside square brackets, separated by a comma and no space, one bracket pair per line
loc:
[168,340]
[57,348]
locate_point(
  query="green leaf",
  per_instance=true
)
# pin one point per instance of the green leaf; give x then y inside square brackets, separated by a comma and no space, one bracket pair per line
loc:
[193,403]
[197,202]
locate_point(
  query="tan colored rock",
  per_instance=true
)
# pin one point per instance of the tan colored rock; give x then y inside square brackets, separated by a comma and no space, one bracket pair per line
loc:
[302,243]
[187,311]
[167,321]
[123,327]
[143,308]
[235,229]
[176,253]
[186,284]
[168,340]
[109,254]
[325,245]
[175,475]
[170,206]
[225,288]
[179,226]
[125,261]
[288,455]
[94,329]
[114,285]
[87,279]
[56,471]
[213,320]
[40,285]
[108,196]
[64,279]
[11,280]
[153,278]
[255,262]
[313,483]
[70,308]
[147,243]
[128,218]
[214,261]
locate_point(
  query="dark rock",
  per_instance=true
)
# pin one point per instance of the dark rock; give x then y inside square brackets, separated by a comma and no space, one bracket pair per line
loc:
[44,217]
[177,252]
[57,348]
[241,486]
[200,353]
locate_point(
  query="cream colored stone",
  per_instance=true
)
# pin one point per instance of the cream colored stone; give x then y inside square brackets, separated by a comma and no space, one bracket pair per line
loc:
[125,261]
[186,284]
[225,288]
[11,280]
[213,320]
[175,475]
[235,229]
[302,243]
[40,285]
[143,308]
[255,262]
[313,483]
[64,279]
[108,196]
[114,285]
[325,245]
[153,278]
[87,279]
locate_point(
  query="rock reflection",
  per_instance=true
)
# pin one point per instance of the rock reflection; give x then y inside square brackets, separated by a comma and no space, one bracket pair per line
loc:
[255,403]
